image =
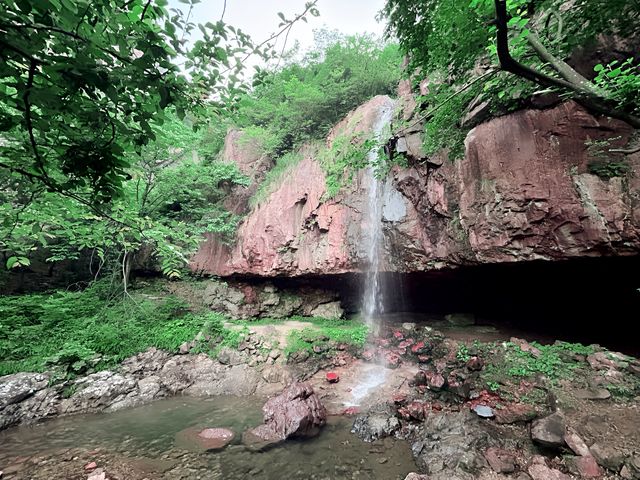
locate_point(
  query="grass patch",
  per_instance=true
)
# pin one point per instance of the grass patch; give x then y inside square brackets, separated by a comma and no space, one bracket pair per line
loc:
[555,362]
[274,177]
[81,331]
[341,162]
[326,334]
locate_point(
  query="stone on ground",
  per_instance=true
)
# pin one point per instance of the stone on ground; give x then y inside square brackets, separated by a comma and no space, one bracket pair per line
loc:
[549,431]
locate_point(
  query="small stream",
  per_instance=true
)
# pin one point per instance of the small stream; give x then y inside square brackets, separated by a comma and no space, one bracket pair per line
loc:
[145,437]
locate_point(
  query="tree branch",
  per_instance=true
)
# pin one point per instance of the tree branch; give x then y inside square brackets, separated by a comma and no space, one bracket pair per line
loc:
[309,6]
[29,119]
[591,101]
[144,10]
[569,74]
[68,34]
[224,10]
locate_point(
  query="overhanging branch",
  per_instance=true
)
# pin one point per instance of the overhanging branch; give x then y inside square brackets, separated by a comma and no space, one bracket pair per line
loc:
[591,99]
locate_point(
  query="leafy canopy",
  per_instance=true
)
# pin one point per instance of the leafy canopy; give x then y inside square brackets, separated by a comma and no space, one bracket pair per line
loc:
[83,82]
[454,44]
[304,99]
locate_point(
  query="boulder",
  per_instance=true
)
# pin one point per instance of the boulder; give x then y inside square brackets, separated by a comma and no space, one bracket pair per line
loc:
[451,445]
[475,364]
[18,386]
[230,356]
[549,431]
[98,391]
[296,412]
[593,394]
[435,381]
[526,347]
[586,467]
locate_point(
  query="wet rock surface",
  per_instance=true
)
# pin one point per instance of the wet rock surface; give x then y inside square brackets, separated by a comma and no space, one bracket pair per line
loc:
[140,379]
[451,444]
[379,422]
[431,399]
[295,413]
[523,191]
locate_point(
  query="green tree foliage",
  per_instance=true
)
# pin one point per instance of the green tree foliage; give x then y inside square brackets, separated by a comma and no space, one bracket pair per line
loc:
[519,46]
[172,197]
[83,82]
[110,121]
[303,100]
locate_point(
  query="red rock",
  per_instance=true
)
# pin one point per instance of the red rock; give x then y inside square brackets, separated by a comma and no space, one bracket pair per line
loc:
[588,467]
[250,295]
[404,413]
[436,407]
[533,209]
[398,335]
[368,355]
[435,381]
[392,359]
[296,412]
[332,377]
[515,413]
[424,358]
[416,410]
[576,444]
[207,439]
[500,460]
[526,347]
[91,466]
[539,471]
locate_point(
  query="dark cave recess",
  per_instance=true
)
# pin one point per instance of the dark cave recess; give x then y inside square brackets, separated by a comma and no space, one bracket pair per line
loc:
[593,300]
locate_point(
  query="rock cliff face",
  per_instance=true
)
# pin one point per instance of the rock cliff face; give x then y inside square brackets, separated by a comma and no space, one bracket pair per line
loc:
[522,192]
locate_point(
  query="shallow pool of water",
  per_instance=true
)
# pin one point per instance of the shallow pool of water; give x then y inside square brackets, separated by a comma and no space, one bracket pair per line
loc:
[141,443]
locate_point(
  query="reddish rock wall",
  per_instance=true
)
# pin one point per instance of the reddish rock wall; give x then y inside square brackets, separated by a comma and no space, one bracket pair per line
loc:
[522,192]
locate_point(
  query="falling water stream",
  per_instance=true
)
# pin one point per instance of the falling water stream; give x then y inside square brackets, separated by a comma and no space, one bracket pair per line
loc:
[372,302]
[373,296]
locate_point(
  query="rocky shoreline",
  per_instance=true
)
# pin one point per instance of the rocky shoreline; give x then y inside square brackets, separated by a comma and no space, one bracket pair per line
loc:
[470,410]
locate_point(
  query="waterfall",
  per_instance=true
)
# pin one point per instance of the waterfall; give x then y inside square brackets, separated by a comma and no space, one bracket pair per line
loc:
[372,301]
[373,375]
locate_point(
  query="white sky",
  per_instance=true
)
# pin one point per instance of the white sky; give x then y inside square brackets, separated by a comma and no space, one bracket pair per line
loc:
[259,18]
